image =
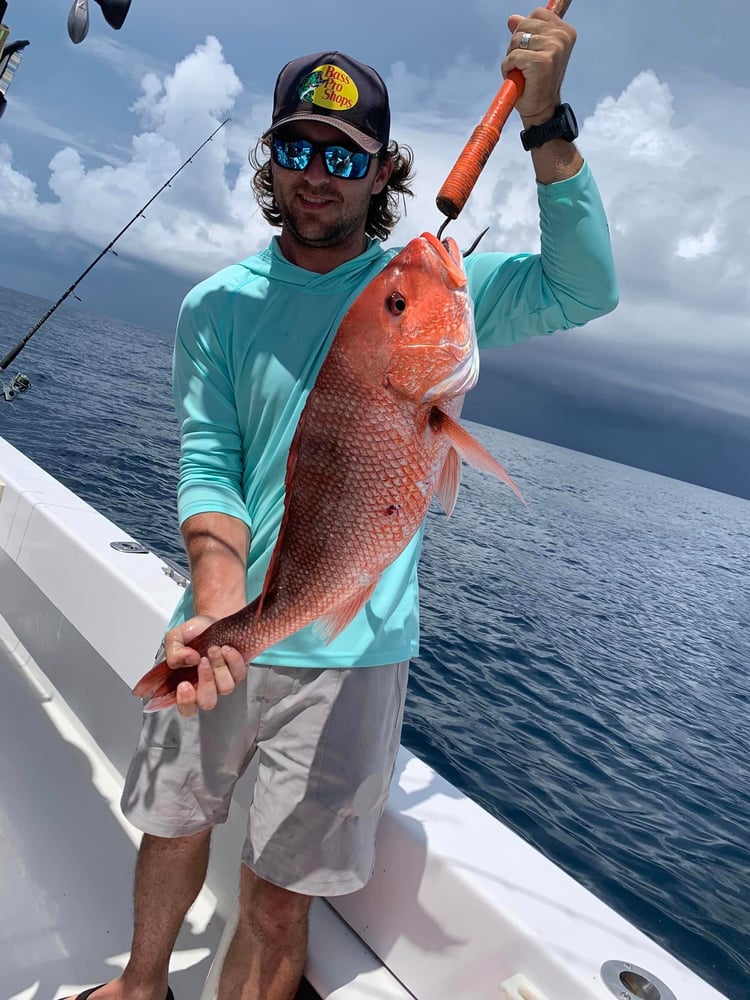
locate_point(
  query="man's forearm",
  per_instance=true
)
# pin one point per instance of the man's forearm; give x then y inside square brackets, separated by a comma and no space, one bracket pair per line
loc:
[556,160]
[217,546]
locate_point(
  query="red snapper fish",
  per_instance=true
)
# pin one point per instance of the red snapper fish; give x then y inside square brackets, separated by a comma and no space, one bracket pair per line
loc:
[378,438]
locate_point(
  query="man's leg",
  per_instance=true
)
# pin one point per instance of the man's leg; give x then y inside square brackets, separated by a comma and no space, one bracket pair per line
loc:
[168,876]
[267,954]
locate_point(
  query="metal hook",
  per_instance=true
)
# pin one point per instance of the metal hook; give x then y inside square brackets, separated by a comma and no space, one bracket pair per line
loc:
[475,244]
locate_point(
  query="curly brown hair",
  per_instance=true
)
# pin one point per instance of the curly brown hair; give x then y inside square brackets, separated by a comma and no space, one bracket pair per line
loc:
[384,207]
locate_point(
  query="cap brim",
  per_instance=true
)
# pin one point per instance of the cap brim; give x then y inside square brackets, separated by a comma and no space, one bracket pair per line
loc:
[367,142]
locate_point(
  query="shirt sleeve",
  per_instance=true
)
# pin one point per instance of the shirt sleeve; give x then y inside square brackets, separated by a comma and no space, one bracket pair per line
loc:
[569,283]
[211,457]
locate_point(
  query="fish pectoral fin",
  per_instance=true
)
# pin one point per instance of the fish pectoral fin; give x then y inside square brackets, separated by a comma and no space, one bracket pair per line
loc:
[450,480]
[331,625]
[470,450]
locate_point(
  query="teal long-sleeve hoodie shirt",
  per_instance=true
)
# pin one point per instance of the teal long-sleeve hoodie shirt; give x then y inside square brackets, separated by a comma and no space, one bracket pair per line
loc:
[251,340]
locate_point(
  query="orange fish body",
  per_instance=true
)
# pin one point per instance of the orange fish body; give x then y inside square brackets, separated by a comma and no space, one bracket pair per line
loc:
[378,437]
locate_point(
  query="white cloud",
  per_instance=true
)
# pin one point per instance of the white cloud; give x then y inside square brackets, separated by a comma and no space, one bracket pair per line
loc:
[676,201]
[703,245]
[200,223]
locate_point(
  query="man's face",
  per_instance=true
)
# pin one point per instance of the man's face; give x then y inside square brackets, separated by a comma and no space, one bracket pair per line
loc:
[317,209]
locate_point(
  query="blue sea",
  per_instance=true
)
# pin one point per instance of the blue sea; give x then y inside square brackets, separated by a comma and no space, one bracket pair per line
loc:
[585,660]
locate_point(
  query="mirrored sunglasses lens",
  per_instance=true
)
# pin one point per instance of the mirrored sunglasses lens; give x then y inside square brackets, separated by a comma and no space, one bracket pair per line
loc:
[294,154]
[342,162]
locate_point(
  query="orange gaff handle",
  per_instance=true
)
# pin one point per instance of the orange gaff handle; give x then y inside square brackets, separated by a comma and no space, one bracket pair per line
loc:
[460,182]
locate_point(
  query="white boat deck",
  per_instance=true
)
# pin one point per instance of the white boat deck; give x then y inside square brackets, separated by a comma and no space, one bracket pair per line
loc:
[67,864]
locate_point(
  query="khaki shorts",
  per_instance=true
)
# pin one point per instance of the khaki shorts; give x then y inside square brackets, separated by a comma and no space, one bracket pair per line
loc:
[327,742]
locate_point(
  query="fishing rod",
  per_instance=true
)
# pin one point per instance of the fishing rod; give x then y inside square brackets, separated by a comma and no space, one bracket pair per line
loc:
[13,354]
[460,182]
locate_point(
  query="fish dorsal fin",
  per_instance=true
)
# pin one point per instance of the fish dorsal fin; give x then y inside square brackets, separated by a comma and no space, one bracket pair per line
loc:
[450,480]
[470,450]
[331,625]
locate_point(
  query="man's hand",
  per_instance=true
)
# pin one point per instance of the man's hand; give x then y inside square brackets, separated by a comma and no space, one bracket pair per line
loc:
[542,63]
[219,671]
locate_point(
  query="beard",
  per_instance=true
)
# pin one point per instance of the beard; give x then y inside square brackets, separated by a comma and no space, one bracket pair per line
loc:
[312,231]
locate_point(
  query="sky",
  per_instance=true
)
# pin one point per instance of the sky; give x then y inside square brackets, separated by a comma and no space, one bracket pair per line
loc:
[661,93]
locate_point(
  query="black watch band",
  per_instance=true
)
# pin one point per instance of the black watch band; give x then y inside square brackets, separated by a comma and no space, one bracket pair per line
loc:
[562,126]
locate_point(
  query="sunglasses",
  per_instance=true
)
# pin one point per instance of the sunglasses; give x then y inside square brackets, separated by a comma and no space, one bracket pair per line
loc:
[297,154]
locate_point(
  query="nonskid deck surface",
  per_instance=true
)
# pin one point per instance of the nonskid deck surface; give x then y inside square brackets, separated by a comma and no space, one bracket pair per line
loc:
[66,865]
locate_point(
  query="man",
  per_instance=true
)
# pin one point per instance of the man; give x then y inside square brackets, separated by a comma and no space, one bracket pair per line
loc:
[325,719]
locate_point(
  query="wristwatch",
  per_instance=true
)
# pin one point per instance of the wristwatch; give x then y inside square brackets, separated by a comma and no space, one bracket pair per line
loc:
[562,126]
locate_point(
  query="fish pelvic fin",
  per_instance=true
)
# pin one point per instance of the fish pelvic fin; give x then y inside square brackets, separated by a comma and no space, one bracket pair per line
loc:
[331,625]
[470,450]
[449,481]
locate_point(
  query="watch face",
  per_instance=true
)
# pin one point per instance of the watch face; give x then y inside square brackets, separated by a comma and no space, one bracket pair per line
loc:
[571,125]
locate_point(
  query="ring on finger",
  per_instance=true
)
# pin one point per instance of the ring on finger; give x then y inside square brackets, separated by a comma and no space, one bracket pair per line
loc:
[525,40]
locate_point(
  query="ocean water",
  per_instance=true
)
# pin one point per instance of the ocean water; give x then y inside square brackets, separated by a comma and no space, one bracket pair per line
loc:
[585,659]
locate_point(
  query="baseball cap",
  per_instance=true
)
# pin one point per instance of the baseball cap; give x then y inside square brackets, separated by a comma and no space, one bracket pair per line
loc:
[335,89]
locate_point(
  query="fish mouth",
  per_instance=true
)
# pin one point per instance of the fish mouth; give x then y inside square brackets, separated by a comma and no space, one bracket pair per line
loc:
[450,257]
[465,376]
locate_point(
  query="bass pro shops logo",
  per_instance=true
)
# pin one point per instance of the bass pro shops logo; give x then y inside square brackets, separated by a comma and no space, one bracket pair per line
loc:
[328,86]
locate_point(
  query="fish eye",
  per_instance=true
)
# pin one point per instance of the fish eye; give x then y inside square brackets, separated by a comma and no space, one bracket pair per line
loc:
[396,303]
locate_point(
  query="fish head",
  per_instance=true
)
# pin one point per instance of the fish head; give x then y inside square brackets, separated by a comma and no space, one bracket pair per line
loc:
[415,323]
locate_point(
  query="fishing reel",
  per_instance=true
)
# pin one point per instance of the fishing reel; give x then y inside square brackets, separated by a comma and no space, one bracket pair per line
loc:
[114,11]
[18,384]
[10,57]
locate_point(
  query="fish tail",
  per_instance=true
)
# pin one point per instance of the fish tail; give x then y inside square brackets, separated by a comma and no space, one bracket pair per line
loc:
[148,685]
[161,682]
[156,704]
